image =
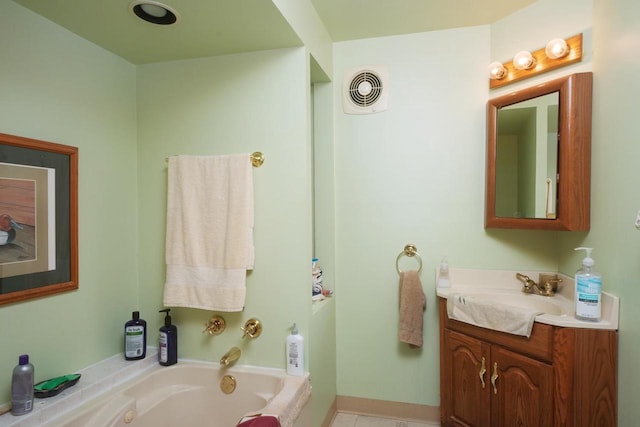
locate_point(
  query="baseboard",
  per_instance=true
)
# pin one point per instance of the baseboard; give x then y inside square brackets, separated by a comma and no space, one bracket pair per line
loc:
[5,407]
[387,409]
[331,414]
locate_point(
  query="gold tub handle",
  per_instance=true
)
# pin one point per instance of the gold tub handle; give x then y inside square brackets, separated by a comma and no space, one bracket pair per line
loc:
[483,370]
[252,328]
[215,325]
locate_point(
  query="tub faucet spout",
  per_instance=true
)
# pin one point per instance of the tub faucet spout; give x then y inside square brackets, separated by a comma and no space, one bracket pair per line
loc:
[230,356]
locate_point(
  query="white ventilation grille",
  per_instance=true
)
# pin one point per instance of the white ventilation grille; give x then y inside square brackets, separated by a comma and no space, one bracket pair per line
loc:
[365,90]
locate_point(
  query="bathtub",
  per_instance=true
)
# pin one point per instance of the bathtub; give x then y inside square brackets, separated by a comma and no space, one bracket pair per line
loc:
[191,394]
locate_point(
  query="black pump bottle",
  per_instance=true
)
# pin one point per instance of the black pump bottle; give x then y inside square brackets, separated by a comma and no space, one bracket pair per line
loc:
[168,341]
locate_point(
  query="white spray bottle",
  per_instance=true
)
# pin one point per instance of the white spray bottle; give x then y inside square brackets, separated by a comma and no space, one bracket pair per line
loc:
[588,290]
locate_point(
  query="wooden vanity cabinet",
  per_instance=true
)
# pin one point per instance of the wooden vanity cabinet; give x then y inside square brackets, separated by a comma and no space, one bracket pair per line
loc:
[491,386]
[557,377]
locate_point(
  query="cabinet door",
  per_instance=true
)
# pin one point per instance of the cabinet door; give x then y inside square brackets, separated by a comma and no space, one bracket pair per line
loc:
[465,382]
[521,389]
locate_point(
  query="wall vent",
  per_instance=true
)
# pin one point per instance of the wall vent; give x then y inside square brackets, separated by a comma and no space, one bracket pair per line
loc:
[365,90]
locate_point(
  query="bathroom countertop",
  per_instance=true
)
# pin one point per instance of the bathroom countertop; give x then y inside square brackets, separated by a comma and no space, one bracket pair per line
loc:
[501,281]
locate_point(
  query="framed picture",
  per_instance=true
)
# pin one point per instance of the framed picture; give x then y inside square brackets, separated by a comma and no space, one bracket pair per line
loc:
[38,218]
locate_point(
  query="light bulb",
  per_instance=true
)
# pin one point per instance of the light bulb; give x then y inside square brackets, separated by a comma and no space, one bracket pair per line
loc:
[523,60]
[556,48]
[154,10]
[497,71]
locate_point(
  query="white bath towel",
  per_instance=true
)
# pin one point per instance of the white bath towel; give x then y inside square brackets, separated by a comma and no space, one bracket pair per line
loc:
[480,311]
[209,240]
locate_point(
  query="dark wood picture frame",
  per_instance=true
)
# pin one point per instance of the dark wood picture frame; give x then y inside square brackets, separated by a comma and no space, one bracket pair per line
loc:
[63,161]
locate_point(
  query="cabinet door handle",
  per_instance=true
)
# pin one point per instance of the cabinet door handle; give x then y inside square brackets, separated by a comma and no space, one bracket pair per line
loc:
[483,370]
[494,378]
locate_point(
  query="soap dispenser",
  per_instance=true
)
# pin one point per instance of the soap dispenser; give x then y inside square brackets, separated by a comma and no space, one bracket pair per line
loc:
[588,289]
[443,274]
[168,341]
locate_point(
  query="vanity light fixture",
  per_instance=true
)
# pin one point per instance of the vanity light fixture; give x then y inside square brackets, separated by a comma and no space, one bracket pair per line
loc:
[154,12]
[524,60]
[557,53]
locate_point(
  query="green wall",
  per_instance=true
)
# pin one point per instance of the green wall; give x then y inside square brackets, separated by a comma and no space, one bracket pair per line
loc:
[322,336]
[223,105]
[412,174]
[57,87]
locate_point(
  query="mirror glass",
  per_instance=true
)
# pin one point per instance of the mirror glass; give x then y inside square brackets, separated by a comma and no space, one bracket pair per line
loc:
[527,158]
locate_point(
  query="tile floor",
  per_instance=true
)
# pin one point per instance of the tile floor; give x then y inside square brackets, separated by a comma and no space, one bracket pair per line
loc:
[353,420]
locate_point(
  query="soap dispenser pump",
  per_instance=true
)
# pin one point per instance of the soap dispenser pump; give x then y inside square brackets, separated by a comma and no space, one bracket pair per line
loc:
[168,341]
[588,289]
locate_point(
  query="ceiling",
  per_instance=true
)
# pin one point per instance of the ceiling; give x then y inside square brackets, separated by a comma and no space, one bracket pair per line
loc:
[219,27]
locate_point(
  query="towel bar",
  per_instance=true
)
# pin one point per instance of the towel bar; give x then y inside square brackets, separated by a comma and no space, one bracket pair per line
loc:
[410,250]
[256,158]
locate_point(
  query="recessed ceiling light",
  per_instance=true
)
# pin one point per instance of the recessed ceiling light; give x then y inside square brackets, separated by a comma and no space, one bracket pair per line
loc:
[154,12]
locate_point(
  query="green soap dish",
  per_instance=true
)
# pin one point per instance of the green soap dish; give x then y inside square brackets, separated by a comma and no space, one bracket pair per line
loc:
[54,386]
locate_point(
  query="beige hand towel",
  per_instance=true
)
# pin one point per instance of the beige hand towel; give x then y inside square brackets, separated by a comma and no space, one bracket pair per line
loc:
[481,311]
[412,305]
[209,240]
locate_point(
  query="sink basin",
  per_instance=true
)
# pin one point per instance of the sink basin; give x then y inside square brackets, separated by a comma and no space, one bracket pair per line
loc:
[554,306]
[500,287]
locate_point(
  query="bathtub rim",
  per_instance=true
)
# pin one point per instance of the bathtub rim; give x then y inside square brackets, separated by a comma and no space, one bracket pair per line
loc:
[272,405]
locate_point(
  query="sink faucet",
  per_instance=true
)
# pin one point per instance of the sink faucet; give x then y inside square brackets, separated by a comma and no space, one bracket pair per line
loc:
[230,356]
[547,287]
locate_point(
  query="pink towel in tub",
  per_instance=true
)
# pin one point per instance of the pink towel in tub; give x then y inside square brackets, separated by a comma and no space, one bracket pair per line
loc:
[261,421]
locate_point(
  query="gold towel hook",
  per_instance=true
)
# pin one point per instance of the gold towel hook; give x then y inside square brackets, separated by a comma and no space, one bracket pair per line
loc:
[410,250]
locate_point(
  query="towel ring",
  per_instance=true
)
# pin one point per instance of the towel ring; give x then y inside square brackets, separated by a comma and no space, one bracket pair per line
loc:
[410,250]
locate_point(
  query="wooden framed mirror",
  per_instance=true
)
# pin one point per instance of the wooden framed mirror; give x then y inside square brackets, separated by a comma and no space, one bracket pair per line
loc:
[538,172]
